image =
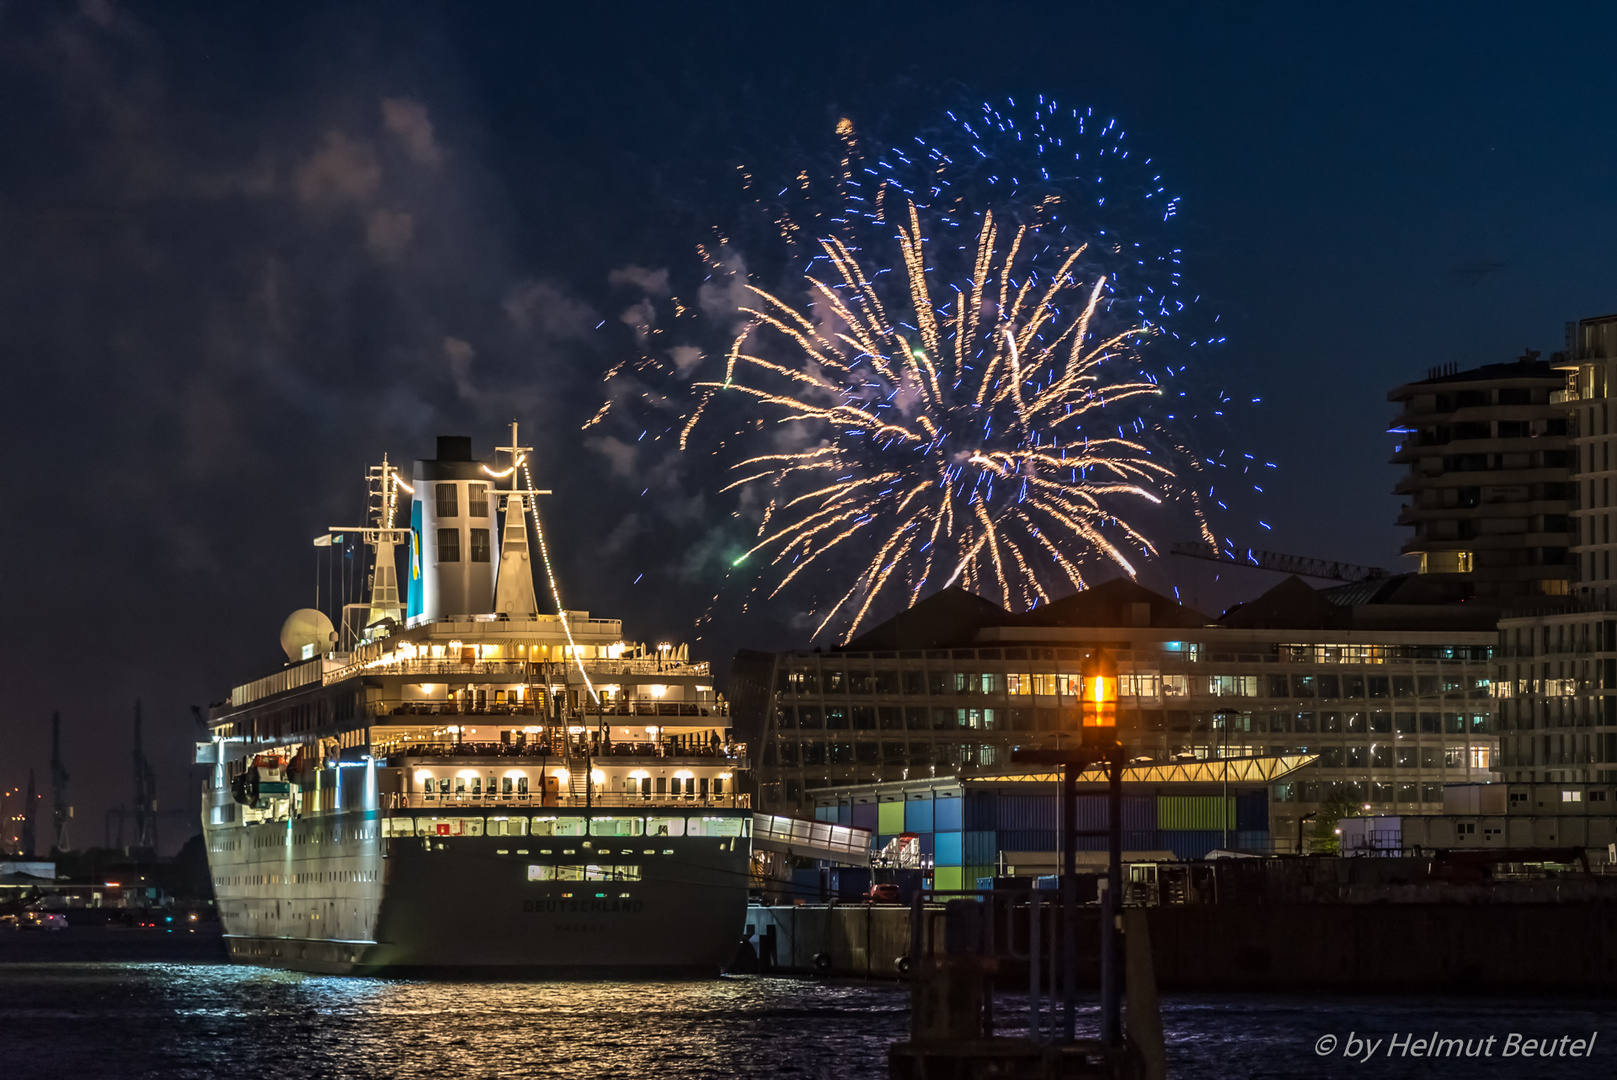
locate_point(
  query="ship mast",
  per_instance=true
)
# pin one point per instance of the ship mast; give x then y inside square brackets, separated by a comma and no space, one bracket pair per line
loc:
[383,538]
[514,597]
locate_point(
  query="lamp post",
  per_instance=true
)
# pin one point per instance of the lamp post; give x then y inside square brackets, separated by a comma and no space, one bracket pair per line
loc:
[1224,808]
[1098,742]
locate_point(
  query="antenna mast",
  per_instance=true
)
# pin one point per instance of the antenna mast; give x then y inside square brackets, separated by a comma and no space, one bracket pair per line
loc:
[61,812]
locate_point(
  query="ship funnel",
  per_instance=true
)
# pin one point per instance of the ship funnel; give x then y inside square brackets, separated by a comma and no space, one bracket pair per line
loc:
[453,519]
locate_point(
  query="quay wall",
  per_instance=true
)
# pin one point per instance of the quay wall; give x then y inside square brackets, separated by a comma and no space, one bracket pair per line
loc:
[1406,947]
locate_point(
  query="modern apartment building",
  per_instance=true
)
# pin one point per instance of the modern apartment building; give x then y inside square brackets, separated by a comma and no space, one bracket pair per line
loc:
[1557,673]
[1489,462]
[1392,697]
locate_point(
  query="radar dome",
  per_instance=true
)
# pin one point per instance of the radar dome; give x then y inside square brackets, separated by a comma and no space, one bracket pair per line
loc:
[307,633]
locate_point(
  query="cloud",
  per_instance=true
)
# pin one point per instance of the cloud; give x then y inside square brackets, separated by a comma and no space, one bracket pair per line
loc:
[388,232]
[621,454]
[341,170]
[460,355]
[650,282]
[721,299]
[541,306]
[407,120]
[640,317]
[687,358]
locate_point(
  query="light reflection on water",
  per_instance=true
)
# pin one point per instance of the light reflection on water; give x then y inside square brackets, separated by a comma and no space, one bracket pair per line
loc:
[90,1021]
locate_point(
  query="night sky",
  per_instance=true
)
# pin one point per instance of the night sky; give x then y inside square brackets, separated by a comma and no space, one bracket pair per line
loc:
[244,249]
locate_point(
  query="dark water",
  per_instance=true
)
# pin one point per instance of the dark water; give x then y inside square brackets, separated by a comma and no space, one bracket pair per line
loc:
[88,1021]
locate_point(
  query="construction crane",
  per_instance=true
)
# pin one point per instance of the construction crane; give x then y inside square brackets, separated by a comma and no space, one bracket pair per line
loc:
[61,812]
[145,809]
[1300,565]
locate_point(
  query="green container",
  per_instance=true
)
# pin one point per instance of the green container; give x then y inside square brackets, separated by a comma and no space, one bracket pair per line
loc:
[890,818]
[946,877]
[1178,812]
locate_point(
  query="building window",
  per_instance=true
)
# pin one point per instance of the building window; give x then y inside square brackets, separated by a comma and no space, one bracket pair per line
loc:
[480,551]
[477,500]
[448,543]
[448,501]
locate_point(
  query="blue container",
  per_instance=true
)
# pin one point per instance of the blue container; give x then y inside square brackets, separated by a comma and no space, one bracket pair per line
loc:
[1141,840]
[978,846]
[927,846]
[1028,840]
[850,882]
[1253,840]
[1191,843]
[1139,812]
[1026,812]
[1252,812]
[825,813]
[1092,812]
[805,884]
[864,816]
[946,816]
[918,816]
[947,849]
[981,810]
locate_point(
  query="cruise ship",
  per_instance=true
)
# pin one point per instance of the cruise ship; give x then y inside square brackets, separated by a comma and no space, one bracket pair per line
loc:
[444,777]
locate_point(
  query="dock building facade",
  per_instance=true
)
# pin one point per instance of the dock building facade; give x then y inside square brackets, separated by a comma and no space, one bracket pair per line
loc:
[1394,700]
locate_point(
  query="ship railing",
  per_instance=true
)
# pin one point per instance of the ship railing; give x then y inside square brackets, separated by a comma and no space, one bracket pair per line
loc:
[519,669]
[608,800]
[651,710]
[733,755]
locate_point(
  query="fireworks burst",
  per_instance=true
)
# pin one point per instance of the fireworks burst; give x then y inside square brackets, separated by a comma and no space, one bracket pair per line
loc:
[954,435]
[962,394]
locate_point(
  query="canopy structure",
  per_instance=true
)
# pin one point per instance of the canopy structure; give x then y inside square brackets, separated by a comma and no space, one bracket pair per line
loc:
[1236,770]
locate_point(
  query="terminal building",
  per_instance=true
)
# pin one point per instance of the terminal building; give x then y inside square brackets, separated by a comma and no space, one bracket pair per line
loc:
[1391,697]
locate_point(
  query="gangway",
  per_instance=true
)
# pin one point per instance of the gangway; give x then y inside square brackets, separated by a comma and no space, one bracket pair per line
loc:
[811,839]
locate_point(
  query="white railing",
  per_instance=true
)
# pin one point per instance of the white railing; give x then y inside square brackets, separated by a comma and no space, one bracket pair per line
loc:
[565,800]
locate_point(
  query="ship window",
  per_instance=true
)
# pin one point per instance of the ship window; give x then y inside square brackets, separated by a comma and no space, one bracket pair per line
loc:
[449,545]
[665,826]
[558,826]
[507,826]
[449,826]
[480,545]
[616,826]
[477,500]
[716,826]
[447,501]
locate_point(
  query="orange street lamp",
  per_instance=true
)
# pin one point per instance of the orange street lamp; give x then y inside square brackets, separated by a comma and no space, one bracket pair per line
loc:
[1098,700]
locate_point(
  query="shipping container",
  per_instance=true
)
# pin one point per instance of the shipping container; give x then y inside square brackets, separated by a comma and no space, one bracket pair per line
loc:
[1025,812]
[945,878]
[1180,812]
[825,813]
[864,816]
[1253,840]
[974,875]
[978,846]
[1190,843]
[1028,840]
[947,849]
[927,847]
[946,814]
[890,817]
[1252,811]
[981,810]
[1139,812]
[918,816]
[1141,840]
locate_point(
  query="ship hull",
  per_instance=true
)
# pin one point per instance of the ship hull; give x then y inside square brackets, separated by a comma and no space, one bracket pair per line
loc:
[470,906]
